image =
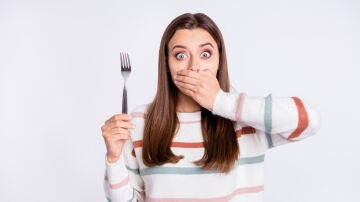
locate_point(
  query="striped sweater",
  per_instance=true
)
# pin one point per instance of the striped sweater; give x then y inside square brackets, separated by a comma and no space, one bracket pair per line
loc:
[261,123]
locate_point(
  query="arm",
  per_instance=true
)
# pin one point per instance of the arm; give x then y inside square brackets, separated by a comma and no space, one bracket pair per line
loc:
[116,181]
[122,181]
[288,117]
[285,119]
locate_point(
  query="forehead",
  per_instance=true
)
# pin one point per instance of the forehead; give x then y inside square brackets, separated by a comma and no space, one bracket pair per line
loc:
[189,37]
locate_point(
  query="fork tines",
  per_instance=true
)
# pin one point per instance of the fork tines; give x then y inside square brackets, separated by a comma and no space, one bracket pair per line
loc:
[125,62]
[125,72]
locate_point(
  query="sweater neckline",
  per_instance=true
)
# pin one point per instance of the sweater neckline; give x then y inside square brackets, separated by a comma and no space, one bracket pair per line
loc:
[189,116]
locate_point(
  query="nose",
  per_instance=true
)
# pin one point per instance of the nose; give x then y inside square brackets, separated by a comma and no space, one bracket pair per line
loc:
[194,68]
[194,64]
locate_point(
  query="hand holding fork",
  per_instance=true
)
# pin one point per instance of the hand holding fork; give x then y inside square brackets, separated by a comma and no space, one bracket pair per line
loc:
[115,130]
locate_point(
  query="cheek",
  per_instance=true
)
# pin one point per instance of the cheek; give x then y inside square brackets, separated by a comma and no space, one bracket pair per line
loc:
[213,67]
[176,66]
[173,68]
[172,74]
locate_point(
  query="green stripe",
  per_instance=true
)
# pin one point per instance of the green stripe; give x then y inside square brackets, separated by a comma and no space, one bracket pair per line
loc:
[250,160]
[174,170]
[268,120]
[197,170]
[132,196]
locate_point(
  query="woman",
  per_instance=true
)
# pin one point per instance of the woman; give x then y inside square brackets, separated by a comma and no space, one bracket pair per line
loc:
[197,141]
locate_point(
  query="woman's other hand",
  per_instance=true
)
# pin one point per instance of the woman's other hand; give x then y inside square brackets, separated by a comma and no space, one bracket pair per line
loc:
[115,132]
[201,85]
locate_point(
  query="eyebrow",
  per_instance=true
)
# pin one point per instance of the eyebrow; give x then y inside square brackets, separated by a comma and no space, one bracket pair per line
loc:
[205,44]
[201,45]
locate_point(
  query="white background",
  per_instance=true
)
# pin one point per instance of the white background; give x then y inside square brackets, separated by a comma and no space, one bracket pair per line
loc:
[60,80]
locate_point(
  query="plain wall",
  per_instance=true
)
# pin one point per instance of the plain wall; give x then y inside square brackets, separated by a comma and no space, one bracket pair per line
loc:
[60,80]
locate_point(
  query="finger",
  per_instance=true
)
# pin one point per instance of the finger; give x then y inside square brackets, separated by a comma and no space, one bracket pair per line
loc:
[186,79]
[119,136]
[122,137]
[116,124]
[189,73]
[119,130]
[187,92]
[113,133]
[124,117]
[187,86]
[121,124]
[207,72]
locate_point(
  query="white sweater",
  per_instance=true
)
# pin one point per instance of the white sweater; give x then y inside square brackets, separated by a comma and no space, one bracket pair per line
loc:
[261,123]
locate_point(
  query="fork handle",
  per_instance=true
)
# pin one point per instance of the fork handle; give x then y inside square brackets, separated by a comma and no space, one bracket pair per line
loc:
[124,101]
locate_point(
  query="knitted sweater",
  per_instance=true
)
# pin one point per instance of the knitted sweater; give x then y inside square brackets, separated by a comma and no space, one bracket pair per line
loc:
[261,123]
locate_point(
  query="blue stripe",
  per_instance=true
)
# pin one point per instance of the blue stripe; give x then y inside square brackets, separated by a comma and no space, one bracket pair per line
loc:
[197,170]
[268,120]
[134,170]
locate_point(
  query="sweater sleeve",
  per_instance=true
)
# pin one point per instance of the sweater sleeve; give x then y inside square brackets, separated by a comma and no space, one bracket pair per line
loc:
[282,119]
[122,179]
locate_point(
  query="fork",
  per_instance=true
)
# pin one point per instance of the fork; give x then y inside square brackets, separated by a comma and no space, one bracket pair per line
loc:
[125,72]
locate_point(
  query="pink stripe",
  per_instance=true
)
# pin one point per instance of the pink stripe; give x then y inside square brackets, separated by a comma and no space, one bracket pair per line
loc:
[137,115]
[239,109]
[118,185]
[142,115]
[245,190]
[138,144]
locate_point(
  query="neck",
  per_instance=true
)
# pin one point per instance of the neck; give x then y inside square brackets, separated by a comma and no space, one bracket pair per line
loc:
[186,104]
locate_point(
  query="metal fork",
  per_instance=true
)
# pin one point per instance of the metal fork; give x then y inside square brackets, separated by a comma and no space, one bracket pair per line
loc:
[125,72]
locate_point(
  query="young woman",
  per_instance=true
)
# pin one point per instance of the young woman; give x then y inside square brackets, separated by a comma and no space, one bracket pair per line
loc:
[198,140]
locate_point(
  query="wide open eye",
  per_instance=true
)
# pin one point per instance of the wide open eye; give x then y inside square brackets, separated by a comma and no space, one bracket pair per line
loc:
[206,54]
[180,56]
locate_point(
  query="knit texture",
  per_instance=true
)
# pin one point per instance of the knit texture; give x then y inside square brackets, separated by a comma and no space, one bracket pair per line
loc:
[261,123]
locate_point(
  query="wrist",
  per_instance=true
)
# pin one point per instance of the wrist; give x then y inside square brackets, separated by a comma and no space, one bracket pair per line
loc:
[112,158]
[213,100]
[225,104]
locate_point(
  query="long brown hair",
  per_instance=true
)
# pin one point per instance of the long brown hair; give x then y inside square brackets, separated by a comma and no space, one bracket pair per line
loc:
[161,121]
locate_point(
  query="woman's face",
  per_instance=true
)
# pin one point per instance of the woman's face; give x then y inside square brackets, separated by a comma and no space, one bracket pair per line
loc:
[193,49]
